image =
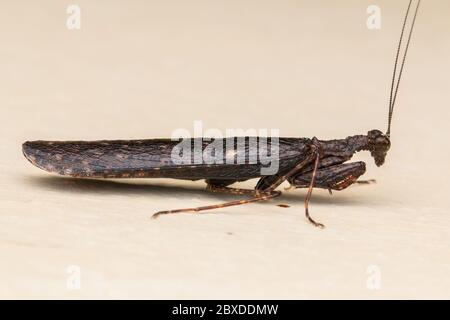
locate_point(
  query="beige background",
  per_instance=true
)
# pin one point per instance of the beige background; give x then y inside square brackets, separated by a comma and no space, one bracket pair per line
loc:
[145,68]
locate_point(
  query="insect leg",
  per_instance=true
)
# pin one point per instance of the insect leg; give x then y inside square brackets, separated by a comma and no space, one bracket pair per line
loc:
[308,195]
[315,152]
[257,196]
[215,188]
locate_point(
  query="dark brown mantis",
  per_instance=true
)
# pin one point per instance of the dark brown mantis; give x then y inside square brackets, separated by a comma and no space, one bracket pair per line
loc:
[303,162]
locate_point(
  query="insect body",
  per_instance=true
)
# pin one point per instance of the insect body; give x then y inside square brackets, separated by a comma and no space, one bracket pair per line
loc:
[303,162]
[152,159]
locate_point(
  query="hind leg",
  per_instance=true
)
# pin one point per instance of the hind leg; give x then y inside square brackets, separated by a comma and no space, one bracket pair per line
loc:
[221,186]
[255,197]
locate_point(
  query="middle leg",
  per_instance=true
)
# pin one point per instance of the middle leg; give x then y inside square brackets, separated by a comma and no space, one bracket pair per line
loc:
[313,156]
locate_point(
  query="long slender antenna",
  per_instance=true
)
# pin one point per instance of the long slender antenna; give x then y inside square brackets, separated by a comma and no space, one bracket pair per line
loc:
[393,94]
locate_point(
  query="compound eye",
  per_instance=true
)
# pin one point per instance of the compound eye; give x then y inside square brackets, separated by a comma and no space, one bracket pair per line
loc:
[382,141]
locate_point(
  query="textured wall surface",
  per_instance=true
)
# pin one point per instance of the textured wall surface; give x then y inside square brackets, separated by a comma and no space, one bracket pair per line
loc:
[145,68]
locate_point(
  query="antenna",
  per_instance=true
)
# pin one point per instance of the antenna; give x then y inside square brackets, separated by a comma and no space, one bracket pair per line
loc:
[396,78]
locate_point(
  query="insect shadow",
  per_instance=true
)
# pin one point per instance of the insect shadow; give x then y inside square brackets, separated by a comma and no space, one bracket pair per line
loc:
[115,187]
